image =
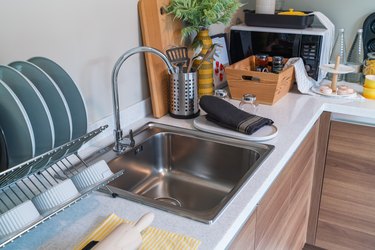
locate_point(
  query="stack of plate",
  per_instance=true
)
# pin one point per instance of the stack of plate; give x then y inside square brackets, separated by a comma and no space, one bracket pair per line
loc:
[41,108]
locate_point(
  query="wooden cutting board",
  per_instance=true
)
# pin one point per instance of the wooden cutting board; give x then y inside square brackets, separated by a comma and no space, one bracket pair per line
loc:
[159,31]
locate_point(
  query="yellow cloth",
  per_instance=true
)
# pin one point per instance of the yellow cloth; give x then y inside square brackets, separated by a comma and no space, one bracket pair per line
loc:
[152,238]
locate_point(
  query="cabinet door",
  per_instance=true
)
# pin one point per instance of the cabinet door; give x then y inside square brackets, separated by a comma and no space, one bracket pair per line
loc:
[281,218]
[282,214]
[347,209]
[245,240]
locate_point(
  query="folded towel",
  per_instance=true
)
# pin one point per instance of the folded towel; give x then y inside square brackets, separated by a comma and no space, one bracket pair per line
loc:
[152,238]
[304,82]
[227,115]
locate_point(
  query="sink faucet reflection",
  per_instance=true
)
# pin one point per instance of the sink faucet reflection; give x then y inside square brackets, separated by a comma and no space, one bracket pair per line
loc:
[122,143]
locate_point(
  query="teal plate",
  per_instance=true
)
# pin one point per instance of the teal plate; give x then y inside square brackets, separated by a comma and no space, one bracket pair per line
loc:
[35,106]
[15,123]
[54,98]
[3,152]
[71,93]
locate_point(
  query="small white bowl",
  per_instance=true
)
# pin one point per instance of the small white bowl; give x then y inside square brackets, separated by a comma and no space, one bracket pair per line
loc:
[92,175]
[18,218]
[55,196]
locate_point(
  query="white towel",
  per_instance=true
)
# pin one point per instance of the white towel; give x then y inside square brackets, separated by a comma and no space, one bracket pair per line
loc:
[304,82]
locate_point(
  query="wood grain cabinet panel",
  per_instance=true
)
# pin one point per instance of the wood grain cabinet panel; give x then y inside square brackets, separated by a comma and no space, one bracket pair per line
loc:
[289,226]
[347,208]
[245,240]
[320,160]
[282,214]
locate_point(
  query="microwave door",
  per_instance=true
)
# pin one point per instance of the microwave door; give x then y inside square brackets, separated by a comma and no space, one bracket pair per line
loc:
[240,45]
[246,43]
[276,44]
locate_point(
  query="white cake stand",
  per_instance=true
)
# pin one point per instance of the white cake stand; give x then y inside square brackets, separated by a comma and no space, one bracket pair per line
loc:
[335,70]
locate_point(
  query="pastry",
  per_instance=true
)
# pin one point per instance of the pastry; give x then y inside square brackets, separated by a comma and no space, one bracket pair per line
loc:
[325,90]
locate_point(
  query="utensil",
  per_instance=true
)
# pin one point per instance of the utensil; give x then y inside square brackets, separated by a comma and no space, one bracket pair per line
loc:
[195,56]
[209,54]
[198,57]
[126,236]
[178,56]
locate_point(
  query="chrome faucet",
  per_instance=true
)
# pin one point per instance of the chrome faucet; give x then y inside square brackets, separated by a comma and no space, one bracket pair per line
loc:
[122,143]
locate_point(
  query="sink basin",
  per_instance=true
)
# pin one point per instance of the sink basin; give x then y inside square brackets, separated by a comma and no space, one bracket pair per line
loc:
[186,172]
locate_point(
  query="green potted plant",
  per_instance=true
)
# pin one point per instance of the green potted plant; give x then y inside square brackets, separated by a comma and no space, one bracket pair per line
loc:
[197,16]
[200,14]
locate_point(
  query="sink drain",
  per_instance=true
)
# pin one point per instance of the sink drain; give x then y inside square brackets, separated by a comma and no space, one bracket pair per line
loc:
[169,200]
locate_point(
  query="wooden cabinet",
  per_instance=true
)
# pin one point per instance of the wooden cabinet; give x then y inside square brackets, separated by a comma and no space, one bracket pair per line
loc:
[280,220]
[245,240]
[347,208]
[282,214]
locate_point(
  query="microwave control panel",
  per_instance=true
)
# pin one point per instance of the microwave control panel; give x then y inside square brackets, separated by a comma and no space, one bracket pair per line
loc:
[310,53]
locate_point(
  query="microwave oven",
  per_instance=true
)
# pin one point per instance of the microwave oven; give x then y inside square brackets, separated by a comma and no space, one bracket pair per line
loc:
[305,43]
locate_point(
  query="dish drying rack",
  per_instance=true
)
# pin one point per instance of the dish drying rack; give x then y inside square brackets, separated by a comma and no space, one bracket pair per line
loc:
[26,180]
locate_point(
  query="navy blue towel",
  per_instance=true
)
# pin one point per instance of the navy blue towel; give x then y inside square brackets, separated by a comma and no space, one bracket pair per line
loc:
[227,115]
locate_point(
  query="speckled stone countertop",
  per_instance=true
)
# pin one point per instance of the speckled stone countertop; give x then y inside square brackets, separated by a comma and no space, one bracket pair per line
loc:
[294,115]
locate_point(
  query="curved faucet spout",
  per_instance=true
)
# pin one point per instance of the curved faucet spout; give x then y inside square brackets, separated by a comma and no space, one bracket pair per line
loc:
[119,144]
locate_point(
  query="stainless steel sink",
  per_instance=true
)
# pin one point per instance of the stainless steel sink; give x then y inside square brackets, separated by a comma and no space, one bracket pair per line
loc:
[186,172]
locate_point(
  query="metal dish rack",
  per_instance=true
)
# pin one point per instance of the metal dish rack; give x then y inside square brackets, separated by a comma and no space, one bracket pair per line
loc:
[24,181]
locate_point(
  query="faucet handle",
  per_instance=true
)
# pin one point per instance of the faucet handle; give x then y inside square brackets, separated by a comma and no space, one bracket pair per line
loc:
[122,143]
[131,138]
[128,142]
[118,134]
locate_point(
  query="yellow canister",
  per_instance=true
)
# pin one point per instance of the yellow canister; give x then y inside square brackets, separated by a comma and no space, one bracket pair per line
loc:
[369,81]
[369,65]
[369,93]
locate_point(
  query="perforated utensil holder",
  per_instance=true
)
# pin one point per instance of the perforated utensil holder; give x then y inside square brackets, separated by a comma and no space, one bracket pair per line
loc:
[183,95]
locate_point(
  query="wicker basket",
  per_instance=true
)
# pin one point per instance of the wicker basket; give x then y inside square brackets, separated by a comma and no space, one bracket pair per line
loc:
[268,87]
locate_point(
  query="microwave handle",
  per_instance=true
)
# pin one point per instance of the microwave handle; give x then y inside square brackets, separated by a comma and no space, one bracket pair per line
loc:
[297,45]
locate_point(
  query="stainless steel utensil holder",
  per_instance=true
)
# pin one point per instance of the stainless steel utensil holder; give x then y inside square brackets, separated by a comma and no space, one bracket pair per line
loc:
[24,181]
[183,95]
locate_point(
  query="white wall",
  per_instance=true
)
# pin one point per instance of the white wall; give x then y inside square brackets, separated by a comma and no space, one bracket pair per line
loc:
[347,14]
[85,37]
